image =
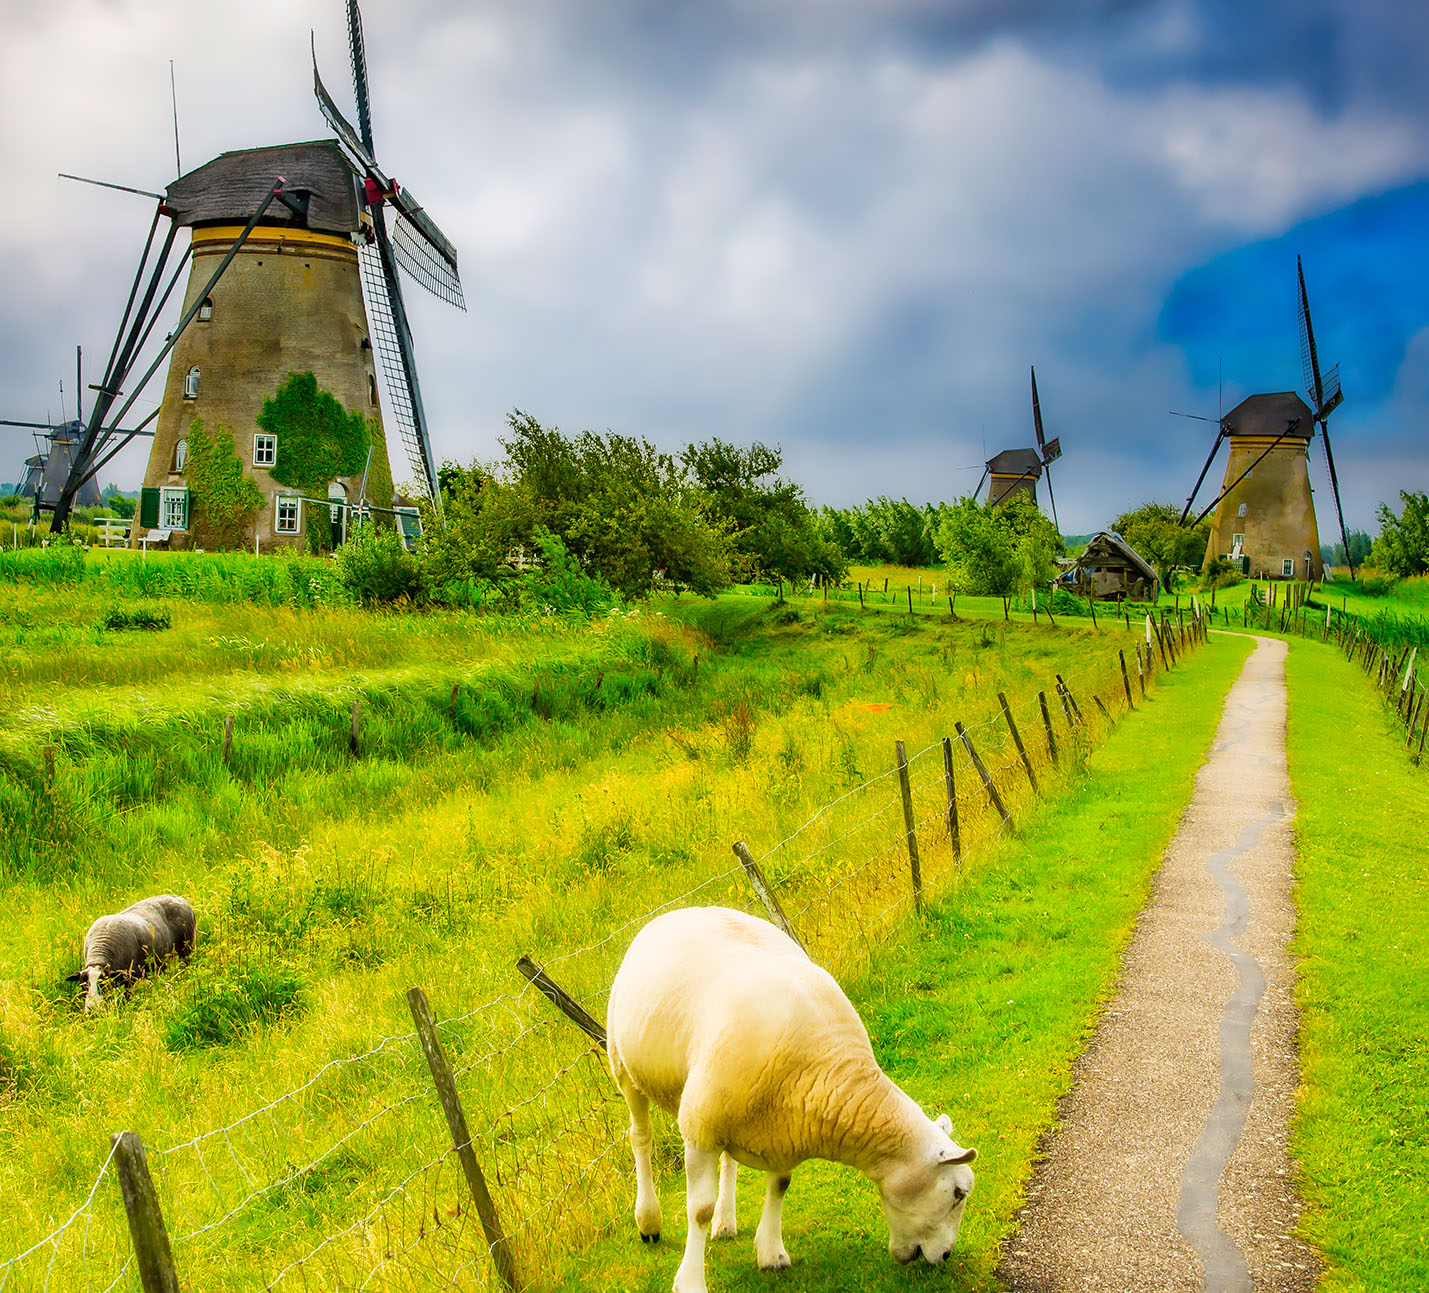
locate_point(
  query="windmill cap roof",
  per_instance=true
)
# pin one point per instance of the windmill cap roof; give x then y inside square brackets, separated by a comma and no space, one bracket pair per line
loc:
[1269,415]
[233,185]
[1016,462]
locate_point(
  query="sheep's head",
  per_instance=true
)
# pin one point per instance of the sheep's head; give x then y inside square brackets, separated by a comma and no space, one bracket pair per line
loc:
[90,977]
[924,1197]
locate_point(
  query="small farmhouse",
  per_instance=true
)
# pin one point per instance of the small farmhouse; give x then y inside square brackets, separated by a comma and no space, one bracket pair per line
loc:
[1110,569]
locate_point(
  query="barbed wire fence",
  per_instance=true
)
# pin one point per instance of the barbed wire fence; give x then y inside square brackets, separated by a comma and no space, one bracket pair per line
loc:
[477,1151]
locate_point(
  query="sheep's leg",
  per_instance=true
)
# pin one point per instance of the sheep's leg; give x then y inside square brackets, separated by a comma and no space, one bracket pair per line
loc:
[726,1224]
[701,1190]
[769,1238]
[647,1202]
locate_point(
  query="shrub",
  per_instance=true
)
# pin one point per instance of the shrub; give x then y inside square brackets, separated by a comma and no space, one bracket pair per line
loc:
[140,618]
[560,583]
[375,566]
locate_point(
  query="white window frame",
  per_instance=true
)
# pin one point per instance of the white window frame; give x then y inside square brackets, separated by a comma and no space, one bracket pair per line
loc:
[1237,540]
[191,379]
[269,444]
[176,496]
[278,504]
[181,454]
[1240,511]
[1287,568]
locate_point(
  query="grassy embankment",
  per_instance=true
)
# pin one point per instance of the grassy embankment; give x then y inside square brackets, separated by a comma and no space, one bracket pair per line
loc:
[979,1010]
[1362,1130]
[585,773]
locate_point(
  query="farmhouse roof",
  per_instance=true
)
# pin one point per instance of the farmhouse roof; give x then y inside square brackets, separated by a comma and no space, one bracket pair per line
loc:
[1108,542]
[1016,462]
[231,187]
[1269,415]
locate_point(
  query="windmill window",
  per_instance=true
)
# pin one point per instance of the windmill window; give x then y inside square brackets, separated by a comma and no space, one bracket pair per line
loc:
[289,514]
[181,455]
[191,383]
[1240,511]
[1237,540]
[1287,567]
[173,508]
[371,389]
[205,311]
[265,450]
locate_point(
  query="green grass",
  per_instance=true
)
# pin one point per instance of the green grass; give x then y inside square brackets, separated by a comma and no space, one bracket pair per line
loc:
[979,1009]
[1362,1129]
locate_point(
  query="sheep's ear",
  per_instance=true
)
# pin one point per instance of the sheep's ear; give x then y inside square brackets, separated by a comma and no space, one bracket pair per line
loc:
[962,1156]
[78,976]
[944,1124]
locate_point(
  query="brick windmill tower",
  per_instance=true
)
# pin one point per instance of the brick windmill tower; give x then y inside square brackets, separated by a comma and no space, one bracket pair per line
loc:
[1265,513]
[293,270]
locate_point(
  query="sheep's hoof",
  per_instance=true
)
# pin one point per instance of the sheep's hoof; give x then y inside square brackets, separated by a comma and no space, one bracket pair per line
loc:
[650,1239]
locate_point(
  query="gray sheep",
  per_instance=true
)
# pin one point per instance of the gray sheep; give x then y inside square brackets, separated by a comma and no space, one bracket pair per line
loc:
[127,944]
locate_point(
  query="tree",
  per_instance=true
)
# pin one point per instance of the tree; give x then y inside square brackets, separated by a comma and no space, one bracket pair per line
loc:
[1156,532]
[1403,544]
[998,550]
[772,530]
[1333,554]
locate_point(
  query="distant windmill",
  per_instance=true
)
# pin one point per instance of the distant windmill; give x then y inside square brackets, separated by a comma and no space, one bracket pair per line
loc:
[1017,471]
[286,242]
[1265,512]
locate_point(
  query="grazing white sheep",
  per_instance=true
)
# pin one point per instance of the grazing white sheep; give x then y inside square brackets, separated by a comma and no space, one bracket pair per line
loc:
[725,1022]
[126,944]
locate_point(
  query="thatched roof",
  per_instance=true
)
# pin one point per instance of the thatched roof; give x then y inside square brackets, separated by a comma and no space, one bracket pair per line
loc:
[229,189]
[1108,543]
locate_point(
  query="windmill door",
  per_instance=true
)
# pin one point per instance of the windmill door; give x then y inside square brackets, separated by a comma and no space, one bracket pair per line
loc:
[337,512]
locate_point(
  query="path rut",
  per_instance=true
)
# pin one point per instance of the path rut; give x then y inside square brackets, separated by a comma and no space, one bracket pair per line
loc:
[1170,1167]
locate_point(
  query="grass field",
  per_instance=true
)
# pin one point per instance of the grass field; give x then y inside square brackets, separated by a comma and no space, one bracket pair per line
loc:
[584,773]
[978,1010]
[1362,1133]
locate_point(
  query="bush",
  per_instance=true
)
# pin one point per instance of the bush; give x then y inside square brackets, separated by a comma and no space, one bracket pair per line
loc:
[231,999]
[1220,573]
[141,618]
[560,583]
[375,566]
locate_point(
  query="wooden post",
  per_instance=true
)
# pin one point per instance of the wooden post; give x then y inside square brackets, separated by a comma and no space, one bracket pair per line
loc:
[1017,741]
[227,737]
[1072,700]
[461,1137]
[146,1220]
[982,772]
[885,585]
[1047,726]
[561,999]
[1066,705]
[860,596]
[1125,681]
[352,737]
[952,798]
[911,833]
[1048,609]
[1106,713]
[1092,606]
[951,612]
[761,887]
[909,591]
[1140,672]
[49,765]
[1161,643]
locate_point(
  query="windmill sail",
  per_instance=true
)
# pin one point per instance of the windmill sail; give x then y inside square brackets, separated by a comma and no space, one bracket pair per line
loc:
[1050,450]
[1327,397]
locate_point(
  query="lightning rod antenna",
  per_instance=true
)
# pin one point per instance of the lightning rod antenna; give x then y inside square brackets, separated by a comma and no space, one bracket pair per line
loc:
[174,99]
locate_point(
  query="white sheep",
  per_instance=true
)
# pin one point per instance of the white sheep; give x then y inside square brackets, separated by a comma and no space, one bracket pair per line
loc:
[725,1022]
[128,943]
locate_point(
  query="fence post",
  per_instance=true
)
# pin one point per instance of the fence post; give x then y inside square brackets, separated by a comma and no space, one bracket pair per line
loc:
[1106,713]
[1140,672]
[1017,741]
[952,799]
[766,894]
[1047,725]
[352,736]
[146,1220]
[561,999]
[982,772]
[1125,681]
[1070,699]
[461,1137]
[227,737]
[860,596]
[909,591]
[912,835]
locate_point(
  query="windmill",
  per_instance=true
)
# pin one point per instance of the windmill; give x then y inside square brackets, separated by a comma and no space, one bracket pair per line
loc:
[286,242]
[1326,393]
[1265,512]
[1017,471]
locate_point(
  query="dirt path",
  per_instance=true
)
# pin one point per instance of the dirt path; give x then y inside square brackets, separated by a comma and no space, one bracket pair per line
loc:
[1170,1168]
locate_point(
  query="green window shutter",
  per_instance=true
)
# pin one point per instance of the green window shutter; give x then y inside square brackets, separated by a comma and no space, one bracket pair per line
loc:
[149,508]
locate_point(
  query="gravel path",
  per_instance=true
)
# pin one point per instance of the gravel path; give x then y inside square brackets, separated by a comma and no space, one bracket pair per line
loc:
[1169,1168]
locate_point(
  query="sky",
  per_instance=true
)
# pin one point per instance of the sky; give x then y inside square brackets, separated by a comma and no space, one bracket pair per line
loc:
[843,227]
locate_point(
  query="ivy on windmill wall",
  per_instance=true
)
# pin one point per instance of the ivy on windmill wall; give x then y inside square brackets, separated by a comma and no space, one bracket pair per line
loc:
[223,499]
[320,441]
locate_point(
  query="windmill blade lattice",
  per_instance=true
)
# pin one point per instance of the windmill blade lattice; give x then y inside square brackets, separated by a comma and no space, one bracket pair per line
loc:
[394,371]
[417,255]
